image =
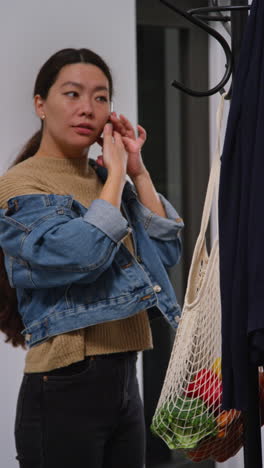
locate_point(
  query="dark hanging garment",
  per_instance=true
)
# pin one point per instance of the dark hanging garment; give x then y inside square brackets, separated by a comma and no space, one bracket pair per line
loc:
[241,218]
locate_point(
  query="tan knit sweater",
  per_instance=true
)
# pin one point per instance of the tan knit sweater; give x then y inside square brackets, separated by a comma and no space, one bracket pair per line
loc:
[72,177]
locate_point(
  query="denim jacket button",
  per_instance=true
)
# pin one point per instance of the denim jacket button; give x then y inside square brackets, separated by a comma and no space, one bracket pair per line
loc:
[157,288]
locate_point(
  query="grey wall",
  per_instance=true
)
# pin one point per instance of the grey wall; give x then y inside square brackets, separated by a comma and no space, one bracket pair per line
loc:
[30,32]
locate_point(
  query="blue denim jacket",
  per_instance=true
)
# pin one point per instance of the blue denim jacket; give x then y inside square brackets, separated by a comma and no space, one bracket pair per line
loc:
[70,268]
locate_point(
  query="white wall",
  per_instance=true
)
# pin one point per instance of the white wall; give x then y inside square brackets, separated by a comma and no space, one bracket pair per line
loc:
[30,32]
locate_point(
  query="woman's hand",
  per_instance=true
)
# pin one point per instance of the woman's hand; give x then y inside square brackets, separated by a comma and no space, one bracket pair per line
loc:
[114,156]
[125,142]
[132,144]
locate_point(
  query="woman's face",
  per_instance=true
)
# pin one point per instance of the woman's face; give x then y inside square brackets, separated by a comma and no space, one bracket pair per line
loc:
[76,108]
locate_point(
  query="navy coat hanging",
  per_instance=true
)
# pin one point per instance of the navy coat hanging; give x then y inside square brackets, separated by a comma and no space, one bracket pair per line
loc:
[241,218]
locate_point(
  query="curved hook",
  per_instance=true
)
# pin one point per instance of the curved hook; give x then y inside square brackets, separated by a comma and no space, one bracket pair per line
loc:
[219,38]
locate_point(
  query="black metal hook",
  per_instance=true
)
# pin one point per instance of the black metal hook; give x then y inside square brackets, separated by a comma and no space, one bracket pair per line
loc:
[219,38]
[202,13]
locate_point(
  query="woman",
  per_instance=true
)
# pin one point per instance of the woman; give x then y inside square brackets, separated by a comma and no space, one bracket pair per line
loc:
[84,254]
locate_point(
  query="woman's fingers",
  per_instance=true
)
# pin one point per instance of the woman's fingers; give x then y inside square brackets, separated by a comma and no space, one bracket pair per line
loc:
[111,136]
[108,130]
[114,154]
[125,128]
[118,139]
[107,135]
[130,132]
[118,125]
[142,134]
[123,125]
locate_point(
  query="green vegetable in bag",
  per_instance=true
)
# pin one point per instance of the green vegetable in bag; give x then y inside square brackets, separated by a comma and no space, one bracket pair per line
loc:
[183,424]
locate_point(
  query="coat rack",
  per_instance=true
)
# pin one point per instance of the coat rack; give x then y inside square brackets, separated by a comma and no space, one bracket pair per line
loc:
[237,18]
[234,18]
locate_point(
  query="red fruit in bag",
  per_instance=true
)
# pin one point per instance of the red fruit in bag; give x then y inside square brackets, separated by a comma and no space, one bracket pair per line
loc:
[207,386]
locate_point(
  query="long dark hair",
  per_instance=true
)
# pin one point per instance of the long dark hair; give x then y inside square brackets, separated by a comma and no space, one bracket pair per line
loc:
[10,321]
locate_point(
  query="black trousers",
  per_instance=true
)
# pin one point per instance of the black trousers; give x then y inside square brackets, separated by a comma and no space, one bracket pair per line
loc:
[86,415]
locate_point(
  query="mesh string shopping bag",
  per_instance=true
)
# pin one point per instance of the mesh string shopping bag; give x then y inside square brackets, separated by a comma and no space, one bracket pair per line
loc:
[188,416]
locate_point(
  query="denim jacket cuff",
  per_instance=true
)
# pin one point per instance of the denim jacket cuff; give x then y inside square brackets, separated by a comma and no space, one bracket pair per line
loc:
[159,227]
[108,219]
